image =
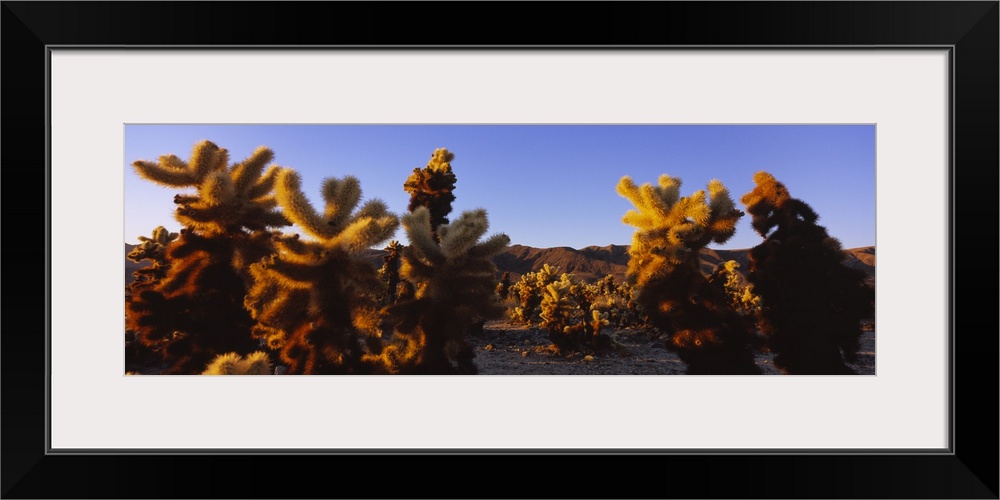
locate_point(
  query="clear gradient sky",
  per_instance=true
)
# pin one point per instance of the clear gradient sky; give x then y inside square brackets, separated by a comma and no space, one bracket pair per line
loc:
[542,185]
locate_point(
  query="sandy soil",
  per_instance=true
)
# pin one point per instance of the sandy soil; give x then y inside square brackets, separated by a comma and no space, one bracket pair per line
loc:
[506,349]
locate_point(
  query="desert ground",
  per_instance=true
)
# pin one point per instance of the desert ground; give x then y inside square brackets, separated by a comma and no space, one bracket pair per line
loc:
[503,348]
[506,349]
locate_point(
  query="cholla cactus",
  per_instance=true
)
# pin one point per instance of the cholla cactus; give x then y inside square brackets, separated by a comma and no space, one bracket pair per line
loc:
[518,315]
[229,199]
[529,292]
[814,304]
[389,272]
[153,249]
[606,285]
[316,300]
[547,274]
[598,320]
[559,310]
[568,316]
[432,187]
[256,363]
[704,331]
[503,287]
[454,289]
[741,295]
[195,312]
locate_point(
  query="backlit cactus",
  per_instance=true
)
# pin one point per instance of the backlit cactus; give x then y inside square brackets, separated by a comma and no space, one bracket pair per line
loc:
[256,363]
[572,325]
[454,281]
[671,230]
[196,311]
[558,309]
[433,187]
[813,304]
[316,299]
[229,199]
[528,291]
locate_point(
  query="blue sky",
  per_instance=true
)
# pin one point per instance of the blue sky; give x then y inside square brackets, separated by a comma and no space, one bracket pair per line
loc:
[542,185]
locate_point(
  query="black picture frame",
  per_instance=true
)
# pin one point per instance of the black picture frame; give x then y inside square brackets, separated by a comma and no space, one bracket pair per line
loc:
[969,28]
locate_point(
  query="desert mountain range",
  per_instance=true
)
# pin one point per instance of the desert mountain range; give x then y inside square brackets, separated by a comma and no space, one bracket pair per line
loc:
[593,262]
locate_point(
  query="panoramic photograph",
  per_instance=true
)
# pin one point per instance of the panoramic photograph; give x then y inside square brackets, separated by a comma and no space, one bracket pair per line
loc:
[542,249]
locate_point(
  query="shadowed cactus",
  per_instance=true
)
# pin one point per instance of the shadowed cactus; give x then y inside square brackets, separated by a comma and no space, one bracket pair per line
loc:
[153,249]
[813,304]
[454,288]
[388,274]
[316,300]
[741,295]
[503,287]
[195,312]
[671,230]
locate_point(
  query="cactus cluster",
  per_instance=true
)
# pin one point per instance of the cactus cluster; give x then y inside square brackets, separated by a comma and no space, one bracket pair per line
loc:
[235,294]
[570,320]
[671,231]
[612,301]
[527,293]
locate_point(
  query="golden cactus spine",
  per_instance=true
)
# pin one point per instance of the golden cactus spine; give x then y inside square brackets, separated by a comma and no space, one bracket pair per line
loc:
[255,363]
[454,289]
[568,315]
[315,300]
[670,232]
[229,198]
[558,309]
[195,312]
[433,187]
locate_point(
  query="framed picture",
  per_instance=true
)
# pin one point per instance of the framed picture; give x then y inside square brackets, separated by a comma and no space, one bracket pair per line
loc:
[922,76]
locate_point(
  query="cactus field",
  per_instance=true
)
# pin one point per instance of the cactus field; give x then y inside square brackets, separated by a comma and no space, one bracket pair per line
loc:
[261,279]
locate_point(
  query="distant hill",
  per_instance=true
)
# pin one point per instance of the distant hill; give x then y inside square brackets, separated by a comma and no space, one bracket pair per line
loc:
[592,263]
